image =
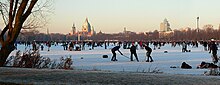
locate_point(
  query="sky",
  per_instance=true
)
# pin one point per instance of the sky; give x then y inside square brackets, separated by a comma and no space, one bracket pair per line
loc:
[112,16]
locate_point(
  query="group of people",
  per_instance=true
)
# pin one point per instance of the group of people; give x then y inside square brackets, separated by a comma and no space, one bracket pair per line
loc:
[212,49]
[209,45]
[133,49]
[36,46]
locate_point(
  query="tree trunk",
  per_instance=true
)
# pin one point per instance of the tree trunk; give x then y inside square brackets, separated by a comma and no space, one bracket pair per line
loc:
[16,19]
[5,51]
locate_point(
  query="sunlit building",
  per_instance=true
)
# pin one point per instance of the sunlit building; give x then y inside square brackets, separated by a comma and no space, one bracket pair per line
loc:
[165,26]
[87,29]
[73,29]
[165,30]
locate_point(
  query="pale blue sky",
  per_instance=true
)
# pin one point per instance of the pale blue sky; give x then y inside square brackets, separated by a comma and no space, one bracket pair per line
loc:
[111,16]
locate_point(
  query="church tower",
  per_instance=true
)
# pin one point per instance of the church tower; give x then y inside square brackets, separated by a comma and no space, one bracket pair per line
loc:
[74,29]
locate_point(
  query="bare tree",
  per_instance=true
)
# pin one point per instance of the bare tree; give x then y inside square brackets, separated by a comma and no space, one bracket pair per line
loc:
[15,14]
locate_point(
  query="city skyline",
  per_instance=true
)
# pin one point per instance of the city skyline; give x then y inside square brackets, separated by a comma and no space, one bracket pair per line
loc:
[112,16]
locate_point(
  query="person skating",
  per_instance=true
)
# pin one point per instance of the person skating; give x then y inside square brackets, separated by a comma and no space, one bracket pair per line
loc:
[133,51]
[116,48]
[184,47]
[205,44]
[71,45]
[148,53]
[213,49]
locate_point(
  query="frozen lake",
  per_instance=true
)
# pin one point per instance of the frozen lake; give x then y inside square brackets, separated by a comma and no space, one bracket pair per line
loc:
[92,59]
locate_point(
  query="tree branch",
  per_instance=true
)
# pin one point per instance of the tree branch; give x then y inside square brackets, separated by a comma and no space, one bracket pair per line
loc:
[21,17]
[15,8]
[10,15]
[28,12]
[21,10]
[3,7]
[2,34]
[18,22]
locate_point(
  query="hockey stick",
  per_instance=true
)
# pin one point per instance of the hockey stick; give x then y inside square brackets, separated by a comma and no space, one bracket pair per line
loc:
[126,56]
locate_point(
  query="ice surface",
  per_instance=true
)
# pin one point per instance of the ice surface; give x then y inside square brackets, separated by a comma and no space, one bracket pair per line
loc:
[92,59]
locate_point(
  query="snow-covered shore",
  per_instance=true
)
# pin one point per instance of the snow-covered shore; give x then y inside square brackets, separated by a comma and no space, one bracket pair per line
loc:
[80,77]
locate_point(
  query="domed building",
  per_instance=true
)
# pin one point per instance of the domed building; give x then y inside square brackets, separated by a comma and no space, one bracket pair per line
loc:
[87,29]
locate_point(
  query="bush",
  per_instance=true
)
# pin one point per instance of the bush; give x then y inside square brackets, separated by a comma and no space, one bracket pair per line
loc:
[32,59]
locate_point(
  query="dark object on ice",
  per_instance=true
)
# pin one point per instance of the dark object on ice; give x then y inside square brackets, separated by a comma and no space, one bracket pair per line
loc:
[78,49]
[105,56]
[185,66]
[188,51]
[207,65]
[81,58]
[165,51]
[173,67]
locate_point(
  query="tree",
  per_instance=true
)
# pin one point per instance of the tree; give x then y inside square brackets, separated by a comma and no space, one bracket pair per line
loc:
[18,12]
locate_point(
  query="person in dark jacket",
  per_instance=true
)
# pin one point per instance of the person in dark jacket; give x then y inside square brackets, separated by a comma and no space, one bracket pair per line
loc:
[213,49]
[116,48]
[133,51]
[184,47]
[205,44]
[148,54]
[71,46]
[34,46]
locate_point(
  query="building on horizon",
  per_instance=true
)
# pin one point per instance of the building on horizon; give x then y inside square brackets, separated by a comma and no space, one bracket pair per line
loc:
[74,29]
[165,30]
[86,31]
[165,26]
[128,32]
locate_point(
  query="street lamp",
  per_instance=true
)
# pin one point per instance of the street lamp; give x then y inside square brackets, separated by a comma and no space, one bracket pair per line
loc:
[197,24]
[197,29]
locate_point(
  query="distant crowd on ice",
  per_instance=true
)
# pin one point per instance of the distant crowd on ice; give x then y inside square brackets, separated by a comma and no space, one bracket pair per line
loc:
[209,45]
[81,45]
